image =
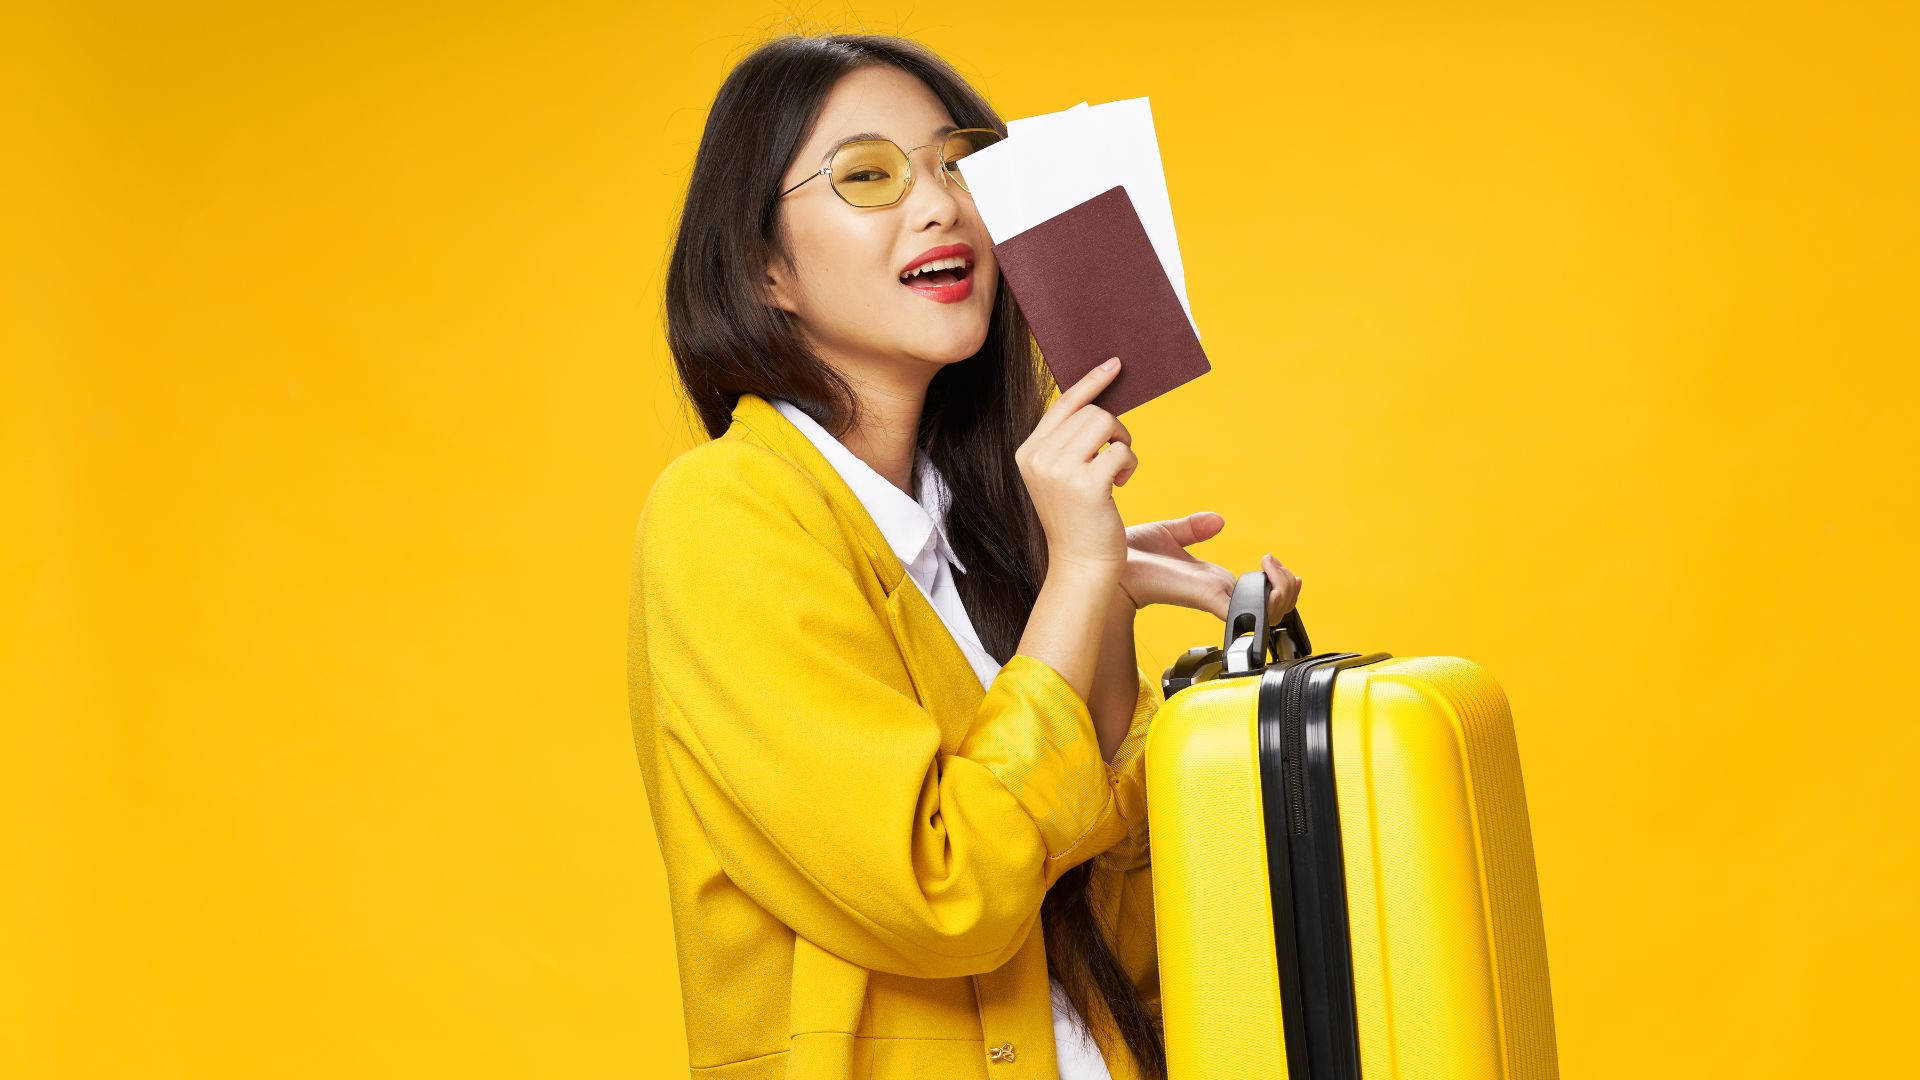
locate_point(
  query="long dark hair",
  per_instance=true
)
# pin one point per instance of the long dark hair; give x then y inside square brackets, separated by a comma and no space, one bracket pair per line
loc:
[727,340]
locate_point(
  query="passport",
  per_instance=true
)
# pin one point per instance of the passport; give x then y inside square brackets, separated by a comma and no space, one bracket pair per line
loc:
[1091,286]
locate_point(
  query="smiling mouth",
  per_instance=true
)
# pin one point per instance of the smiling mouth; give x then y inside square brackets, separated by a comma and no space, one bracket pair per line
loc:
[936,278]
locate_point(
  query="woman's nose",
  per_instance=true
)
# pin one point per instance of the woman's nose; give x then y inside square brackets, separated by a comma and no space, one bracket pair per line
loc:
[947,182]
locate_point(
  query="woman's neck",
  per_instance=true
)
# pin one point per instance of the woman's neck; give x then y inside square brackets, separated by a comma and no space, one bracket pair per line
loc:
[886,442]
[889,425]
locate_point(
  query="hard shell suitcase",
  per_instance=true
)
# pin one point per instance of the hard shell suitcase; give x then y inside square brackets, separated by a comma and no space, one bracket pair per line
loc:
[1343,872]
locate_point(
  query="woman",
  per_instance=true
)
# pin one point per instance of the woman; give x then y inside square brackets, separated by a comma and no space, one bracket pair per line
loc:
[883,680]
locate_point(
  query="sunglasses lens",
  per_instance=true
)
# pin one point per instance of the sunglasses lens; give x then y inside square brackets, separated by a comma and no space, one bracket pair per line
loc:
[874,172]
[869,173]
[959,145]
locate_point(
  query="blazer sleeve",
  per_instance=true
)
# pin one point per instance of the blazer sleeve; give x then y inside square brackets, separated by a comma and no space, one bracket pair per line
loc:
[1120,887]
[786,715]
[1130,758]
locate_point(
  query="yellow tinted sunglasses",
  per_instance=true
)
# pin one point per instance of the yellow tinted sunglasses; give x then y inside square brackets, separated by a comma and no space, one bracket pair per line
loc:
[876,172]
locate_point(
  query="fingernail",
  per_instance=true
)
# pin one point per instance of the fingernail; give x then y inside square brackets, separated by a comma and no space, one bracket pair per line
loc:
[1110,364]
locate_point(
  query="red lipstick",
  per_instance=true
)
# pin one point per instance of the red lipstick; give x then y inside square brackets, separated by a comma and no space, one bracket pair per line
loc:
[947,286]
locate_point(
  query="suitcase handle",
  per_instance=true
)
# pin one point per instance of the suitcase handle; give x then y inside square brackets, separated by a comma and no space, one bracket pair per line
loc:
[1249,640]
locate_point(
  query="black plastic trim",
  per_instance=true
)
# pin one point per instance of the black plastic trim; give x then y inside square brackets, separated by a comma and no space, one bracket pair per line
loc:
[1305,867]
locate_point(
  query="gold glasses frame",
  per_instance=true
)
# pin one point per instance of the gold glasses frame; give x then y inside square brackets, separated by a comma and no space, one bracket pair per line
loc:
[826,167]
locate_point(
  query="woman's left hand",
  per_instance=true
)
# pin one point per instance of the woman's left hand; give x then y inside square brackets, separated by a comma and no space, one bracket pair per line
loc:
[1160,570]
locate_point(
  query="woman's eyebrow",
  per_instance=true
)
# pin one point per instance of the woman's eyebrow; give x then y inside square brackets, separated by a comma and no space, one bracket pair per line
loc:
[943,129]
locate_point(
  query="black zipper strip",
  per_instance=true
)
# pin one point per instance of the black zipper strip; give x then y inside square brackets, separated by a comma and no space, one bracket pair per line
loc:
[1296,754]
[1275,804]
[1305,868]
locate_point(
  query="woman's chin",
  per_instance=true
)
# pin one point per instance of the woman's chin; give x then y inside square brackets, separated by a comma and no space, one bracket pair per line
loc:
[954,350]
[954,343]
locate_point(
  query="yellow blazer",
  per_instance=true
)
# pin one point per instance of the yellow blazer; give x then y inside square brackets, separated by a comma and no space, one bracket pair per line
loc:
[857,834]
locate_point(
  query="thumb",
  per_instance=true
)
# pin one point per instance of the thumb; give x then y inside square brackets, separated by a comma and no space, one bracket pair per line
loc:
[1194,528]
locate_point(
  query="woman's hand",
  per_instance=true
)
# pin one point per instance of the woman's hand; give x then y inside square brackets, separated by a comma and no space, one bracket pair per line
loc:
[1071,480]
[1160,570]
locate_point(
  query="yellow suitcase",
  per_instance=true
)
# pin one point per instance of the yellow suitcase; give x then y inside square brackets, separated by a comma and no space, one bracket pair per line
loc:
[1343,872]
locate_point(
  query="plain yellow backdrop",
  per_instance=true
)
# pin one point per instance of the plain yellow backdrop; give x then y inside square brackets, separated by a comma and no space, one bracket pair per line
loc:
[1577,340]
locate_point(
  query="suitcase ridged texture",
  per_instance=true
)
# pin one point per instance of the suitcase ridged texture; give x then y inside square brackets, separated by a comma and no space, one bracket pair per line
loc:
[1484,720]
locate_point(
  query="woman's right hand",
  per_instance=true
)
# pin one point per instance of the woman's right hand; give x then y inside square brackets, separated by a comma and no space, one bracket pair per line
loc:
[1071,480]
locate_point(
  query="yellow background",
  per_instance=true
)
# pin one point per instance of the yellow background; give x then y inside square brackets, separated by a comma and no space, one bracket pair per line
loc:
[1578,342]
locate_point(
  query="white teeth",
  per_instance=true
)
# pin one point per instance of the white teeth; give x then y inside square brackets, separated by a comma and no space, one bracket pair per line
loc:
[952,262]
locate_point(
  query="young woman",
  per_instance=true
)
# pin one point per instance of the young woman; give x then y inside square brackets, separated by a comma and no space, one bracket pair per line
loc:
[883,680]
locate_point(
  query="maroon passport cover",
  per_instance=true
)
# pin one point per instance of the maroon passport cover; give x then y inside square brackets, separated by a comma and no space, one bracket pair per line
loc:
[1091,287]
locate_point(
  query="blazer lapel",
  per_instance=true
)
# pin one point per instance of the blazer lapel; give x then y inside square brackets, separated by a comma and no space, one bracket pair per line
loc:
[756,420]
[942,675]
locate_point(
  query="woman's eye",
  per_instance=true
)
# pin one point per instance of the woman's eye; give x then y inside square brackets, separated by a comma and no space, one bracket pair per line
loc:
[865,174]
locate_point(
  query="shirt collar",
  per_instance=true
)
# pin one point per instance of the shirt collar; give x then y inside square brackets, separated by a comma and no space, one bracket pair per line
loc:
[907,524]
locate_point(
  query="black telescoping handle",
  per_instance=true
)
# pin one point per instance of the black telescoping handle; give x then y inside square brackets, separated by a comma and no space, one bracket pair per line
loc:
[1249,641]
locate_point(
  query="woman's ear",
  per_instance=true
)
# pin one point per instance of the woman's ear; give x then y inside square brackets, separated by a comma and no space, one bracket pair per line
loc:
[773,287]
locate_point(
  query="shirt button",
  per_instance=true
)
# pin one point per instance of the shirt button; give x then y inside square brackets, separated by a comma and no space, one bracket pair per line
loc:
[1001,1053]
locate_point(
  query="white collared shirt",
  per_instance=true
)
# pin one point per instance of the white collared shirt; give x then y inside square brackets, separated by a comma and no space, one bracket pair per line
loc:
[915,529]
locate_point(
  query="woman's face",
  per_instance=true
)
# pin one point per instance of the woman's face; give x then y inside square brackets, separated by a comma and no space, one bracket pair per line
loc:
[844,287]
